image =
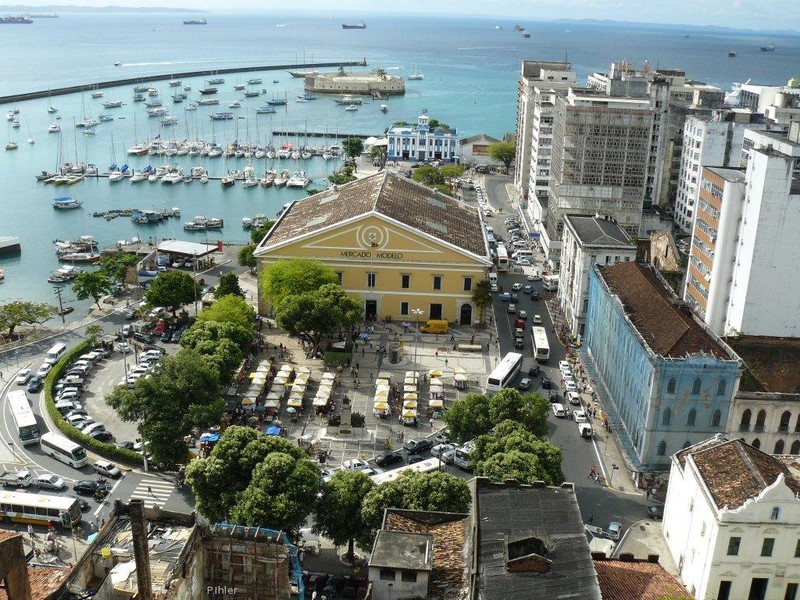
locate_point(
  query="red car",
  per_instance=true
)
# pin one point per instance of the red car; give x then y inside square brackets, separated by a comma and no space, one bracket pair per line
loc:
[160,327]
[519,323]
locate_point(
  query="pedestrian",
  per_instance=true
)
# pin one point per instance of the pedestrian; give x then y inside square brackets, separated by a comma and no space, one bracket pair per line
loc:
[591,519]
[1,376]
[453,337]
[653,493]
[30,531]
[150,490]
[472,339]
[647,493]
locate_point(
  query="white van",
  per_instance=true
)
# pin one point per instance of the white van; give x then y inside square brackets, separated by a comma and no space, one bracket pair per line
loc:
[490,229]
[55,353]
[559,411]
[523,254]
[493,277]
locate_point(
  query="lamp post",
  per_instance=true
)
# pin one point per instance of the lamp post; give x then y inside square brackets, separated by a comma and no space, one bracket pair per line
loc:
[417,312]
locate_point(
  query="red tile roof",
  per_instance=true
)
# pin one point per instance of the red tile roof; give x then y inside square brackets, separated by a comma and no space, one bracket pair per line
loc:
[638,580]
[665,328]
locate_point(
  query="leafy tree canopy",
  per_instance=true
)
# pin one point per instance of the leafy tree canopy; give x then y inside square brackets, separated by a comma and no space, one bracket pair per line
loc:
[230,309]
[246,258]
[337,514]
[468,418]
[115,266]
[428,175]
[228,286]
[312,315]
[292,277]
[482,296]
[353,147]
[256,235]
[18,312]
[503,152]
[215,331]
[173,289]
[94,284]
[343,175]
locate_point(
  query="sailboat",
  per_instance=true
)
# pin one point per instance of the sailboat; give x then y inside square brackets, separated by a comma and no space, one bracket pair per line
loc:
[415,76]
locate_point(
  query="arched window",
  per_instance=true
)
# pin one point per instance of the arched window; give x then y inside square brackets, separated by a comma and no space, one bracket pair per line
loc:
[744,424]
[662,448]
[775,514]
[797,424]
[761,418]
[671,384]
[756,444]
[795,447]
[691,418]
[716,418]
[696,387]
[666,416]
[778,447]
[785,418]
[722,385]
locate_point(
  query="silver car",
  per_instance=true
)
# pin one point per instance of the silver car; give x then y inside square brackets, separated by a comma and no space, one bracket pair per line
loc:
[48,481]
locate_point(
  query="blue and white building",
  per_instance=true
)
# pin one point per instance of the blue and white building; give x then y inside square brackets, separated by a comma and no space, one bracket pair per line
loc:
[420,142]
[666,381]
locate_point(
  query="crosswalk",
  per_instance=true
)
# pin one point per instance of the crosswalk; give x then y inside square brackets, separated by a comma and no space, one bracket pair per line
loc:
[154,492]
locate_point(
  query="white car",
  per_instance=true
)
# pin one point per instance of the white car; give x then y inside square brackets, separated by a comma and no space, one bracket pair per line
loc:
[439,449]
[494,287]
[48,481]
[516,287]
[535,276]
[124,348]
[93,428]
[355,464]
[106,468]
[614,530]
[579,416]
[563,364]
[44,370]
[537,319]
[570,386]
[23,377]
[524,262]
[523,314]
[574,398]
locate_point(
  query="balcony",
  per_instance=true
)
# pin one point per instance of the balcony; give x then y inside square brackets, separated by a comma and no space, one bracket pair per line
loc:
[758,429]
[744,428]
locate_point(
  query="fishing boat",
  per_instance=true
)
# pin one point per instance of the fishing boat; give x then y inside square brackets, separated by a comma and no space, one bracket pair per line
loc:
[174,82]
[414,76]
[112,104]
[264,110]
[227,181]
[360,25]
[254,81]
[64,274]
[252,94]
[277,102]
[207,102]
[196,22]
[731,53]
[207,91]
[11,145]
[80,257]
[768,48]
[52,109]
[235,104]
[66,203]
[384,108]
[222,116]
[216,81]
[302,74]
[98,94]
[351,107]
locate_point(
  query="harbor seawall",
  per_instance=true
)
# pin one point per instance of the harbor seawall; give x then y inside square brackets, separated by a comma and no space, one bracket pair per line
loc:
[167,76]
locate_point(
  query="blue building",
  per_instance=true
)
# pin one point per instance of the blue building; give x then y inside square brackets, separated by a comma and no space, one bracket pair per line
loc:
[665,380]
[420,142]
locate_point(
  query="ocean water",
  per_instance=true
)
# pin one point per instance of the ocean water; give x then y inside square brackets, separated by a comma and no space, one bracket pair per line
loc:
[470,69]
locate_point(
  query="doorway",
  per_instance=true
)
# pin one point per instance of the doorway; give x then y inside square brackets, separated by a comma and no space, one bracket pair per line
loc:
[758,588]
[371,310]
[466,315]
[724,590]
[436,311]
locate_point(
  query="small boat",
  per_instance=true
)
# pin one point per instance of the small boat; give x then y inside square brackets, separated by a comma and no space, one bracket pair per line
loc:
[196,22]
[115,176]
[191,106]
[227,181]
[222,116]
[54,128]
[277,102]
[302,74]
[526,33]
[299,179]
[140,175]
[112,104]
[208,91]
[52,109]
[208,102]
[98,94]
[264,110]
[235,105]
[174,82]
[384,108]
[216,81]
[12,146]
[105,118]
[117,64]
[415,76]
[351,107]
[731,53]
[64,274]
[252,94]
[768,48]
[254,81]
[66,203]
[80,257]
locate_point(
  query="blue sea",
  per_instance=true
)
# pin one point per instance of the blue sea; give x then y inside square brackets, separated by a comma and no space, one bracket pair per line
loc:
[470,67]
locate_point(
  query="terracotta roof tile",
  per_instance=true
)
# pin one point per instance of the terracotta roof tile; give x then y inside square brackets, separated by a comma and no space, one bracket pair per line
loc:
[638,580]
[666,329]
[44,581]
[394,197]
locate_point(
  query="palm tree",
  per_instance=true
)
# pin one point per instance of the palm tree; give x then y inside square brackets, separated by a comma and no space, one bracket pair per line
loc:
[482,296]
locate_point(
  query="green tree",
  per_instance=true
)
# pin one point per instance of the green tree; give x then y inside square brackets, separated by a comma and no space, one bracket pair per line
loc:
[522,466]
[482,296]
[94,284]
[212,330]
[503,152]
[93,333]
[173,289]
[529,410]
[228,286]
[435,491]
[18,312]
[291,277]
[230,309]
[379,152]
[170,403]
[256,235]
[246,258]
[353,147]
[468,418]
[116,266]
[220,478]
[314,314]
[337,514]
[428,175]
[281,494]
[343,175]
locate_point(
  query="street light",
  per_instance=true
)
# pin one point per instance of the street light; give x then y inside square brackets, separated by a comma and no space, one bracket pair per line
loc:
[417,312]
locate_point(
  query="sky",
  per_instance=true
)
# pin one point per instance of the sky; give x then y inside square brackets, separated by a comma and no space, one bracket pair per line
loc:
[740,14]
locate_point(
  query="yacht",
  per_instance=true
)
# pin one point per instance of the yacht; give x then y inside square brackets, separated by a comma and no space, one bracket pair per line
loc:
[54,128]
[299,179]
[66,203]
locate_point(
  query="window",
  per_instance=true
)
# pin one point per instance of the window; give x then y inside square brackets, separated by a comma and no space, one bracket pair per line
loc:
[671,384]
[405,281]
[724,590]
[387,574]
[696,387]
[797,549]
[691,418]
[409,576]
[791,592]
[756,444]
[340,276]
[404,308]
[744,424]
[662,448]
[666,416]
[784,424]
[371,280]
[716,418]
[775,513]
[721,387]
[733,547]
[795,447]
[467,284]
[437,282]
[778,447]
[767,546]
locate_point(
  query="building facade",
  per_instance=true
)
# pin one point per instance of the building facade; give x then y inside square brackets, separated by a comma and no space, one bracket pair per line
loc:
[587,241]
[667,381]
[474,150]
[421,142]
[397,245]
[730,522]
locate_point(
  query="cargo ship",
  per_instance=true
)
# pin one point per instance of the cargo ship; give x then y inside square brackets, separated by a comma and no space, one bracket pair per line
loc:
[196,22]
[23,20]
[360,25]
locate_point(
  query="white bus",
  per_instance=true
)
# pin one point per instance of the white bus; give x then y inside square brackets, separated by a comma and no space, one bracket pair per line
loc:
[39,509]
[60,448]
[550,283]
[27,428]
[541,347]
[423,466]
[55,353]
[504,373]
[502,258]
[462,457]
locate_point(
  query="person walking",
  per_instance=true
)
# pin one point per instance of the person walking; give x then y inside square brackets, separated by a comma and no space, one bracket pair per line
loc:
[590,519]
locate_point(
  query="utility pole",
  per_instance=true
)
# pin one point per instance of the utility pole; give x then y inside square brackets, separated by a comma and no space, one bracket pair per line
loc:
[57,290]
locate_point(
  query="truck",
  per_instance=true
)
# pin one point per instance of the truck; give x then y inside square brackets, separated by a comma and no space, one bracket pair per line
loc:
[434,326]
[17,479]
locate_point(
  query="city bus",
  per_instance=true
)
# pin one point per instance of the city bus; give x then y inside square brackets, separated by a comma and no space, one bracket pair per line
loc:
[504,373]
[60,448]
[462,457]
[502,258]
[39,509]
[423,466]
[27,428]
[550,283]
[541,347]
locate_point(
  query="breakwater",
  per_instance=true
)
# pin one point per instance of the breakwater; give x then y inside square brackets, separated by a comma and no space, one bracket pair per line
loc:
[167,76]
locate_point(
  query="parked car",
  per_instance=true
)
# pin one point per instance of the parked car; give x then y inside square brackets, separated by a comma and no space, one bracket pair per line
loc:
[48,481]
[127,330]
[494,287]
[527,289]
[388,458]
[574,398]
[35,384]
[534,370]
[535,276]
[102,435]
[144,338]
[106,468]
[524,384]
[546,383]
[89,487]
[655,512]
[127,445]
[124,348]
[440,449]
[417,446]
[131,314]
[614,530]
[23,377]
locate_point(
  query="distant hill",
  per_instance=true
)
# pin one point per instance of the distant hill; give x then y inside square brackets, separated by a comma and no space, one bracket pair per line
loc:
[60,8]
[674,26]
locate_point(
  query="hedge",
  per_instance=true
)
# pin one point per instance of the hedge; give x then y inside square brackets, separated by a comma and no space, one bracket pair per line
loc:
[109,451]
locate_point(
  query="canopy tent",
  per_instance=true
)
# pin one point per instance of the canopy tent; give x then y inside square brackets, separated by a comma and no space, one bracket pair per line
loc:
[248,401]
[381,381]
[458,370]
[320,401]
[436,403]
[436,381]
[278,389]
[287,368]
[295,402]
[410,404]
[273,396]
[460,377]
[409,414]
[303,371]
[380,406]
[259,379]
[273,430]
[302,378]
[435,373]
[437,389]
[385,375]
[328,376]
[410,396]
[209,438]
[280,379]
[410,382]
[409,389]
[412,374]
[294,396]
[381,393]
[275,404]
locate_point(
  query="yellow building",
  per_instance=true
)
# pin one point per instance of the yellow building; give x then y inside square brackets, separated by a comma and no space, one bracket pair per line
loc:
[398,245]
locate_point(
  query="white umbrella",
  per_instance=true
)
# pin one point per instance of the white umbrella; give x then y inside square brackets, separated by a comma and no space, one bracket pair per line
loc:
[436,403]
[436,381]
[294,402]
[328,376]
[458,369]
[460,377]
[410,396]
